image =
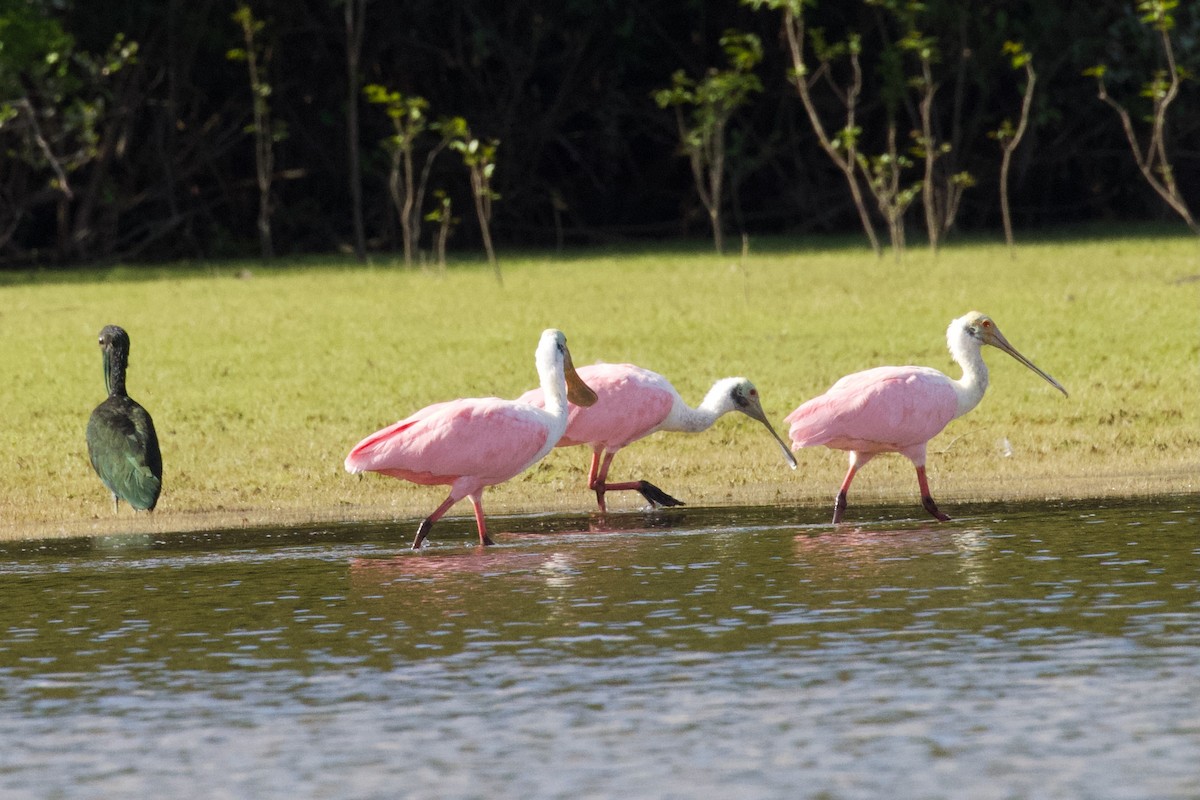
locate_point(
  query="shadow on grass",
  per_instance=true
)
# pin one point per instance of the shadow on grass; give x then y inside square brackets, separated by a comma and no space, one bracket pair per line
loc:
[617,247]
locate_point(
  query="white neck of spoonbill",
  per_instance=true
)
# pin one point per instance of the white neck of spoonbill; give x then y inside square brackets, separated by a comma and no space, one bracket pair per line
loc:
[717,403]
[965,349]
[549,359]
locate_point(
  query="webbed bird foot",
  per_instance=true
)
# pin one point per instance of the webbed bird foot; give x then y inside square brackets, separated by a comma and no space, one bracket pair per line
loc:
[931,507]
[422,532]
[656,496]
[839,508]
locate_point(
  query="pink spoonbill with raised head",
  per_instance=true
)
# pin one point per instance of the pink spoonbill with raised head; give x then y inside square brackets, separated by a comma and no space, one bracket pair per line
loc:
[473,443]
[899,409]
[633,403]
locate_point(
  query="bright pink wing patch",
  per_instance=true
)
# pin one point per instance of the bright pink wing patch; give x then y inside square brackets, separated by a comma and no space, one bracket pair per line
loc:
[631,403]
[488,438]
[886,409]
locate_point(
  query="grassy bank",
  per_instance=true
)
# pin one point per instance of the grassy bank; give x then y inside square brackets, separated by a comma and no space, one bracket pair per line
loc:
[260,379]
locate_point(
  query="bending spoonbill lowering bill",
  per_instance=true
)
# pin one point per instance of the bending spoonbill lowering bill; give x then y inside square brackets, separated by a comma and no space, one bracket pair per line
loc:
[899,409]
[470,444]
[122,444]
[634,403]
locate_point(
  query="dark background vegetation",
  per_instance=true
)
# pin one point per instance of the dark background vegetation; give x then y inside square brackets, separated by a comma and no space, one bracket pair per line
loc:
[565,86]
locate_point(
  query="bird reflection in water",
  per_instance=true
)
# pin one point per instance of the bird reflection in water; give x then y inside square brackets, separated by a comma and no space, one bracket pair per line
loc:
[873,552]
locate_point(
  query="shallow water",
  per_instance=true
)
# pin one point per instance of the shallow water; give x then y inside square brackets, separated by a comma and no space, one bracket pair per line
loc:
[1015,652]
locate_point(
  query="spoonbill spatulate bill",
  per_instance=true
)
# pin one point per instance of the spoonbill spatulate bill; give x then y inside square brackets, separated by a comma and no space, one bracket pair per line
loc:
[899,409]
[473,443]
[122,443]
[633,403]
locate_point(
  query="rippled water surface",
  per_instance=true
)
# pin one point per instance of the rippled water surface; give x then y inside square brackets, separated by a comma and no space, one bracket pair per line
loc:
[1016,652]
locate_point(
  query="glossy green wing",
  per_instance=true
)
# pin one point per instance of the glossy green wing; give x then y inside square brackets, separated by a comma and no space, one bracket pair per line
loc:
[123,448]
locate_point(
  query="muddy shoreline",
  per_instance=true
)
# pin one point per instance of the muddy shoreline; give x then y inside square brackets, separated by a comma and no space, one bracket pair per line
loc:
[411,504]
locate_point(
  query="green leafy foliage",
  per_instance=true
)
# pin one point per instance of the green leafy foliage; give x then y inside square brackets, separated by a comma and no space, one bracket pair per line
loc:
[407,113]
[710,102]
[30,42]
[1153,157]
[479,157]
[54,100]
[1157,14]
[153,164]
[1017,54]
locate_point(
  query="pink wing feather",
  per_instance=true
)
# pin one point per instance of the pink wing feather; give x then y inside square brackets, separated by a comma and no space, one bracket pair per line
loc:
[489,438]
[879,410]
[632,402]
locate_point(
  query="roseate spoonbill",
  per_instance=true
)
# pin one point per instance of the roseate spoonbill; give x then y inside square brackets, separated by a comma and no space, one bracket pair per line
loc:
[633,403]
[899,409]
[473,443]
[122,444]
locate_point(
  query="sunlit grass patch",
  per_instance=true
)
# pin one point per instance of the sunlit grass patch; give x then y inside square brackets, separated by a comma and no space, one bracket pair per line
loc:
[261,379]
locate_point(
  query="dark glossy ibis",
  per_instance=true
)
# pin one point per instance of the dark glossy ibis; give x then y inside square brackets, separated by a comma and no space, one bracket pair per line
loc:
[122,444]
